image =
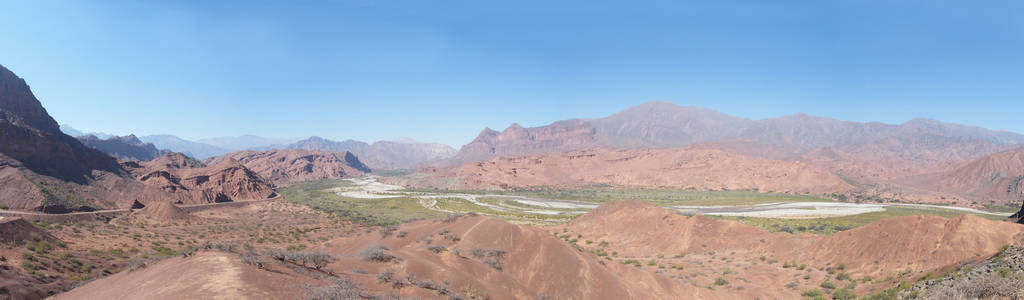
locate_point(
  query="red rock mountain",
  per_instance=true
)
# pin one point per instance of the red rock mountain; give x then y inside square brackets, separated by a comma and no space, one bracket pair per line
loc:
[998,177]
[123,147]
[284,166]
[666,125]
[192,182]
[43,169]
[680,168]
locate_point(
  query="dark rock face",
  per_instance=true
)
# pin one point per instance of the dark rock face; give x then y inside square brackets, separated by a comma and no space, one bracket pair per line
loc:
[1017,188]
[18,100]
[43,169]
[123,147]
[28,134]
[353,161]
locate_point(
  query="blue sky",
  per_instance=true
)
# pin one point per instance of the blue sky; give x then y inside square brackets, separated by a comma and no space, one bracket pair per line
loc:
[443,70]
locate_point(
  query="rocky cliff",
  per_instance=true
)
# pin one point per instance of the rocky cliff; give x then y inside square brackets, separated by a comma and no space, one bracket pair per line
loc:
[43,169]
[192,182]
[283,166]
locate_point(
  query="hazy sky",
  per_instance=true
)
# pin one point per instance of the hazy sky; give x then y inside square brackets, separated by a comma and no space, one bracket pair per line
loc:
[442,70]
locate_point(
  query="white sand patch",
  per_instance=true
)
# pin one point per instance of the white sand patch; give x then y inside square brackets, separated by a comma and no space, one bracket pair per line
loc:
[797,213]
[550,203]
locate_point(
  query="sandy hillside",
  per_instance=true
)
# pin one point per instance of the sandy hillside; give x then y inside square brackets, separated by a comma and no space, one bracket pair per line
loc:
[207,275]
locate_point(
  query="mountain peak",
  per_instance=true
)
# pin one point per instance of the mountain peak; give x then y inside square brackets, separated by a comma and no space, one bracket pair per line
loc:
[17,98]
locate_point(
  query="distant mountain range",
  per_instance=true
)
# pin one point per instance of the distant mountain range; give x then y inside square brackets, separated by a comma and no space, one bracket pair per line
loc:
[67,129]
[194,149]
[387,155]
[404,154]
[921,160]
[666,125]
[123,147]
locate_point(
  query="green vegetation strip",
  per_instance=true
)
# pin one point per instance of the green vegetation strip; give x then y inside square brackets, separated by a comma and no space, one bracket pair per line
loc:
[385,211]
[463,205]
[832,225]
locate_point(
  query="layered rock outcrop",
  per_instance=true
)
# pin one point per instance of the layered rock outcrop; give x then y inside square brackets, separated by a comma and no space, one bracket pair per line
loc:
[284,166]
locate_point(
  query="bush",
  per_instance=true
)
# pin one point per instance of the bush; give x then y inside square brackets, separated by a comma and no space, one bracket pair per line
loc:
[339,288]
[437,248]
[815,293]
[451,218]
[188,251]
[844,294]
[721,281]
[252,259]
[387,231]
[386,276]
[375,253]
[317,259]
[275,253]
[136,264]
[828,285]
[843,276]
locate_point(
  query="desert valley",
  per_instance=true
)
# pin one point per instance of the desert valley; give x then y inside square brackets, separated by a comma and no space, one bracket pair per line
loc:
[658,201]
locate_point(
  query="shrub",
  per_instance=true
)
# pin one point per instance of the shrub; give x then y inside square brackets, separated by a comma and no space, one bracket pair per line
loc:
[136,264]
[387,231]
[401,234]
[275,253]
[828,285]
[843,276]
[375,253]
[437,248]
[251,259]
[1004,272]
[451,218]
[721,281]
[815,293]
[386,276]
[317,259]
[188,251]
[339,288]
[844,294]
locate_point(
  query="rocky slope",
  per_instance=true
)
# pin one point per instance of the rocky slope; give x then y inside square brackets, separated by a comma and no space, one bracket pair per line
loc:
[998,178]
[285,166]
[382,154]
[43,169]
[491,257]
[680,168]
[192,182]
[516,140]
[996,278]
[883,249]
[211,275]
[123,147]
